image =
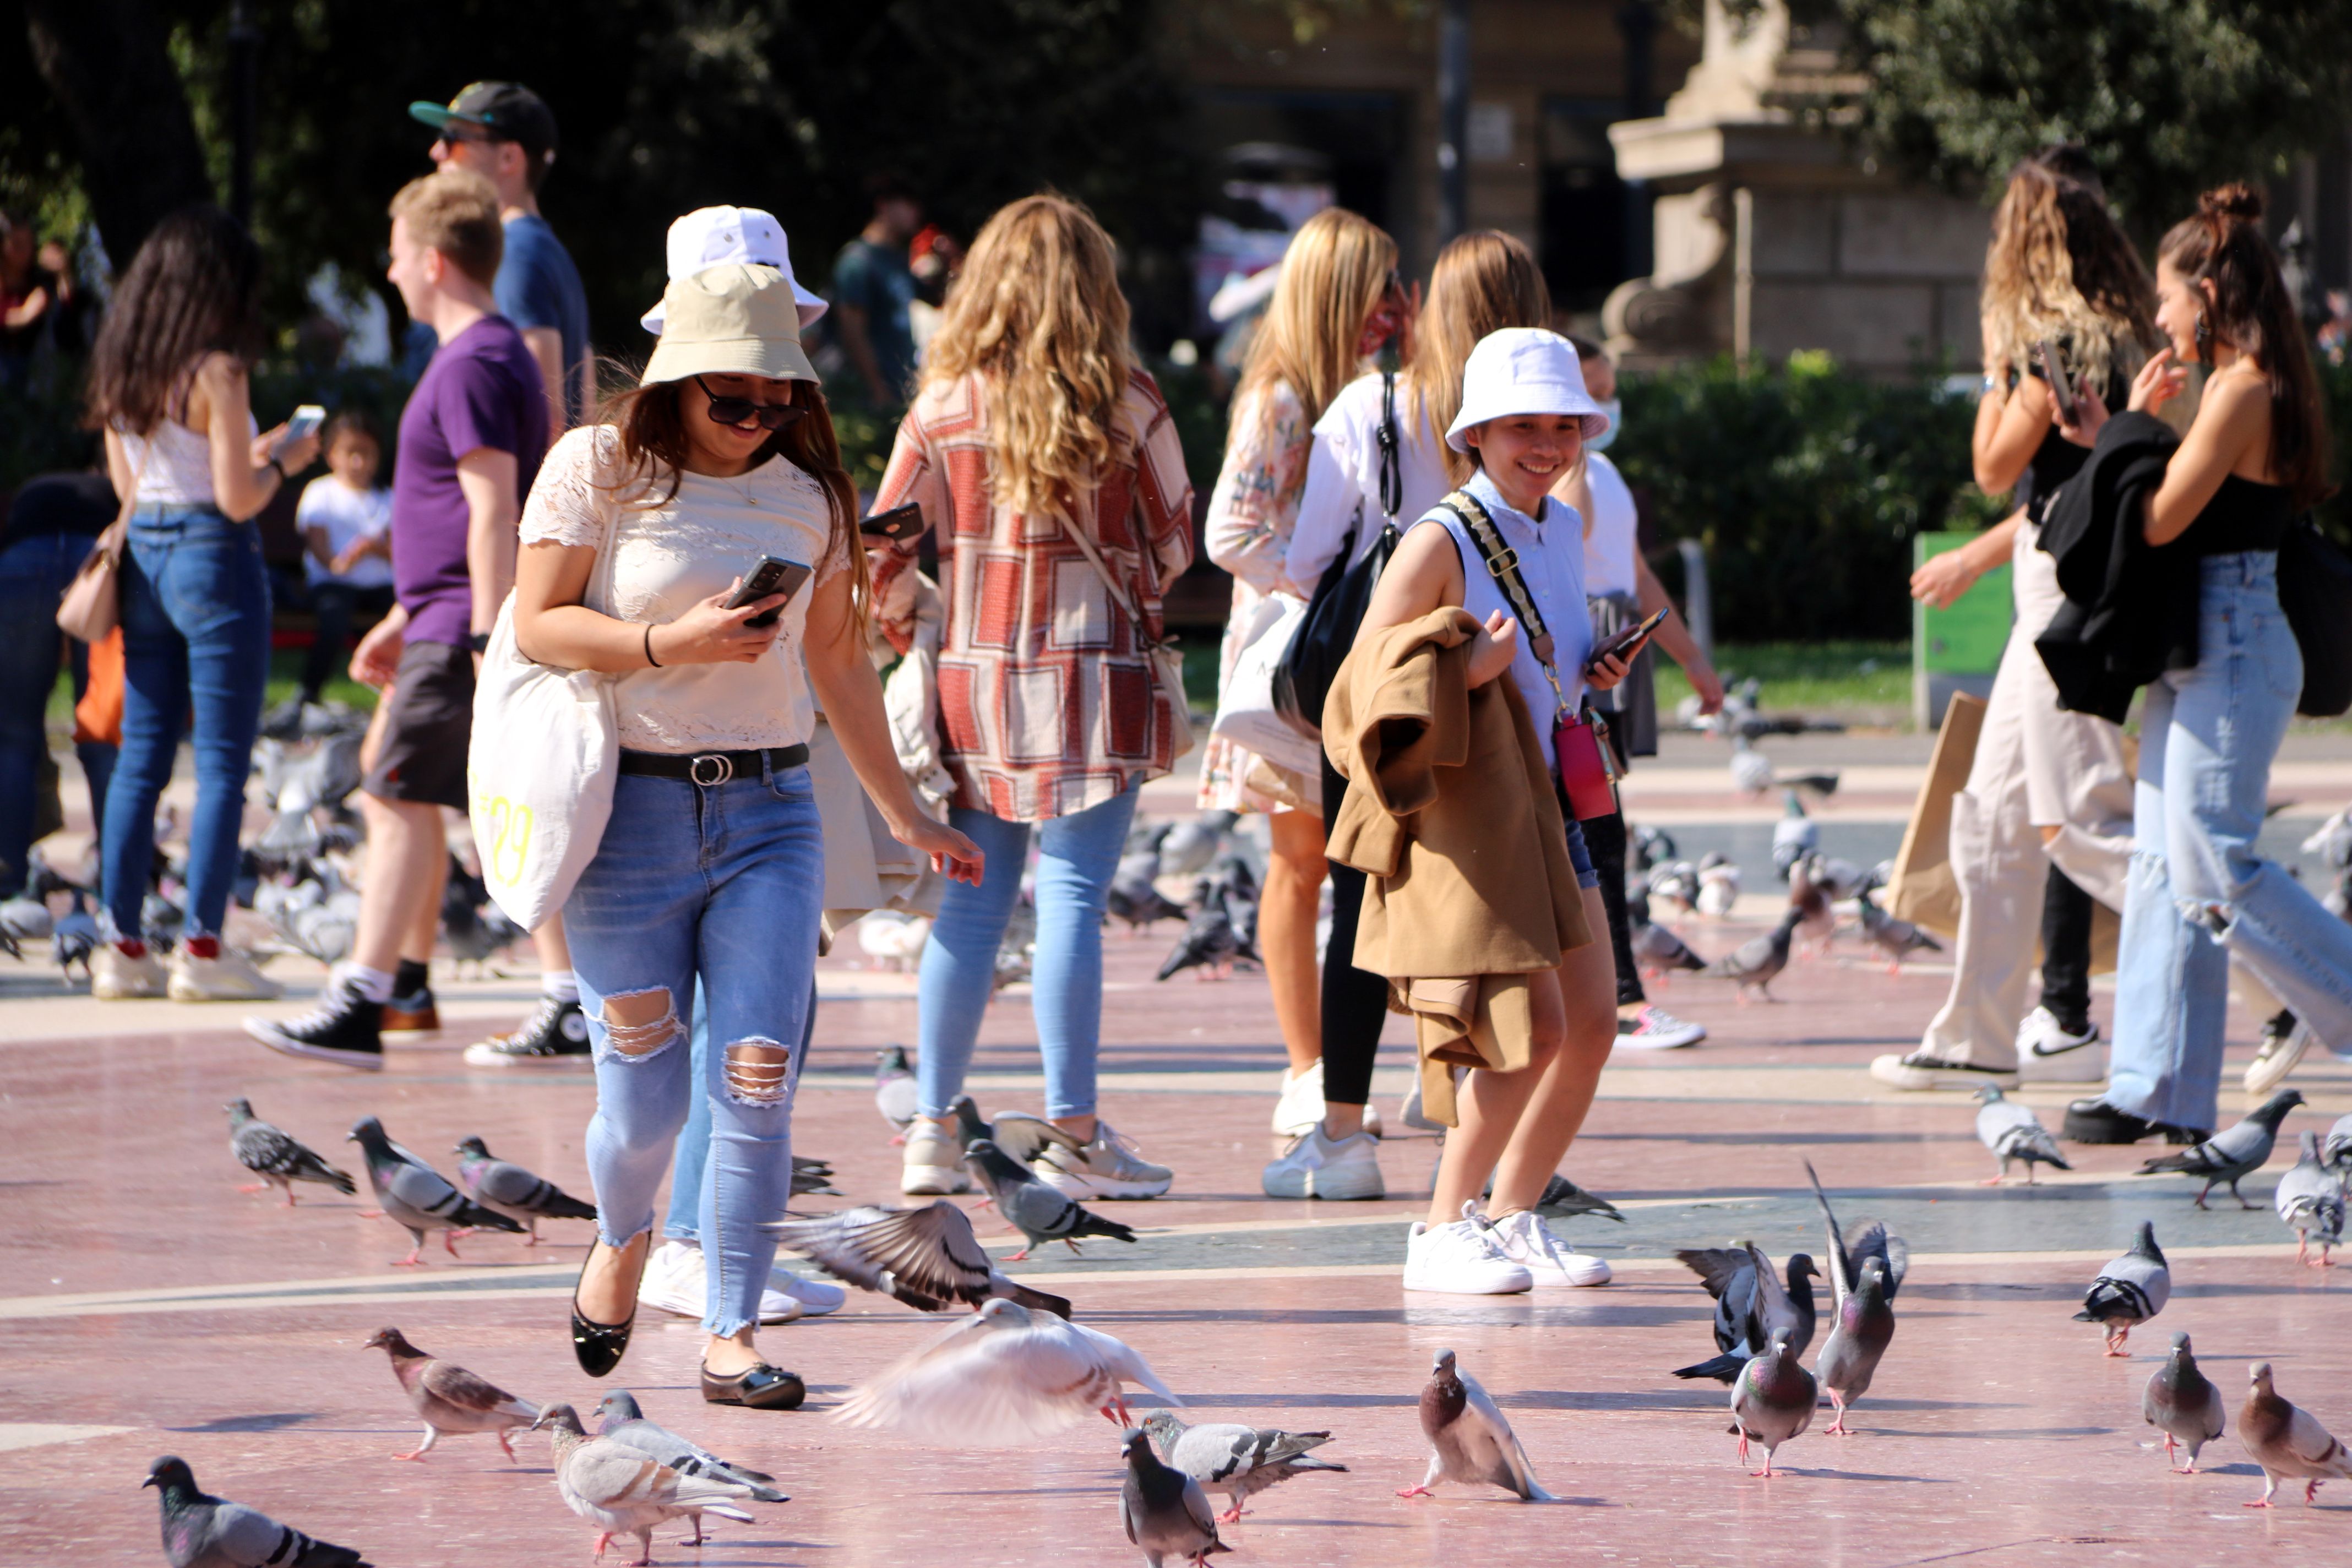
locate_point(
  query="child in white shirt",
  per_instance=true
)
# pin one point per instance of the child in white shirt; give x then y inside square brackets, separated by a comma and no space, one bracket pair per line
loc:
[346,521]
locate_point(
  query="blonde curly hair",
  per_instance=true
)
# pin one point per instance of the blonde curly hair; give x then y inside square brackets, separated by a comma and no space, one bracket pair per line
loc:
[2059,268]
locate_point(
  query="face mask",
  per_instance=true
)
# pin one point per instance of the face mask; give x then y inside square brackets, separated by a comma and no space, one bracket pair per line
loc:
[1615,409]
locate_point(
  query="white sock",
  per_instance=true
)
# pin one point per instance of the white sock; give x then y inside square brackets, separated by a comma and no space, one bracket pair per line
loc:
[560,984]
[376,985]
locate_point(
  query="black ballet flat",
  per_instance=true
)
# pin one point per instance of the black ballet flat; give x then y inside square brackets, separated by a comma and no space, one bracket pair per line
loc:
[760,1387]
[599,1347]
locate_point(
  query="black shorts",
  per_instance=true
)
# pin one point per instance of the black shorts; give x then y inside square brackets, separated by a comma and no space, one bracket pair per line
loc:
[427,727]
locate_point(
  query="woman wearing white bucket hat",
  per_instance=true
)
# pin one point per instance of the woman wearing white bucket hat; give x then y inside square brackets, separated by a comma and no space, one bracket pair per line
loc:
[711,867]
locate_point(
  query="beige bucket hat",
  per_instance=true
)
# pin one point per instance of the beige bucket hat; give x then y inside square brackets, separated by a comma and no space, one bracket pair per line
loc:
[730,320]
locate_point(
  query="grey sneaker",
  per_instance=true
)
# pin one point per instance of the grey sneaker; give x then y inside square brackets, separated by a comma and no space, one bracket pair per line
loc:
[1109,1167]
[934,1162]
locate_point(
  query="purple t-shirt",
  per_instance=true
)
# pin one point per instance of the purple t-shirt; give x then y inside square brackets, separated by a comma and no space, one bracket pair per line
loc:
[481,389]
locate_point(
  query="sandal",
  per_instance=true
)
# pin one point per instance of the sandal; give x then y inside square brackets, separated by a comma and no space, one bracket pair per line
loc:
[760,1387]
[600,1346]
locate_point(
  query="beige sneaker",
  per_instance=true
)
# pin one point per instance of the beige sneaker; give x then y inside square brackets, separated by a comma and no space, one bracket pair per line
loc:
[231,977]
[934,1162]
[114,976]
[1109,1167]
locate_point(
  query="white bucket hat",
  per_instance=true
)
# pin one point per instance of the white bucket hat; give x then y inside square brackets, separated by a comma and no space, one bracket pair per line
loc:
[1523,370]
[714,236]
[730,320]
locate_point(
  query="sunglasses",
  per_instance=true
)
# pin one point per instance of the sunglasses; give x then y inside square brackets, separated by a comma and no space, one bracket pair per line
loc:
[453,137]
[738,410]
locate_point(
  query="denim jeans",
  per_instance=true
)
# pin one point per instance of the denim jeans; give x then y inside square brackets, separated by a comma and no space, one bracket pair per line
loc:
[196,639]
[2198,894]
[721,885]
[684,1220]
[1076,857]
[33,571]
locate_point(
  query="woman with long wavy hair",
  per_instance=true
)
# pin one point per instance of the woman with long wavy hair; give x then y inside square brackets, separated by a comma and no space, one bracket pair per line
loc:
[1336,302]
[1048,469]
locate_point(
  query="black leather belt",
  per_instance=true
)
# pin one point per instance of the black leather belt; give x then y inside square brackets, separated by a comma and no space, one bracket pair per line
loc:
[711,769]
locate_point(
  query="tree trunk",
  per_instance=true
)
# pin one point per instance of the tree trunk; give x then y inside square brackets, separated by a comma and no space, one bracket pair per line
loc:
[105,62]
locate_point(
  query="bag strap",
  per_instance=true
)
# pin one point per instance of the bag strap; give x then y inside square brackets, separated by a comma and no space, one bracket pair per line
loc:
[1392,470]
[1119,595]
[1502,564]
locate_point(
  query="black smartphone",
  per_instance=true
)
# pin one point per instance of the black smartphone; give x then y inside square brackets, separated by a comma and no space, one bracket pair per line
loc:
[2062,385]
[899,525]
[1627,640]
[772,576]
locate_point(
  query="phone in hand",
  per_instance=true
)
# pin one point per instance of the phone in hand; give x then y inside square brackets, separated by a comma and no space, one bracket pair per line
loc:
[1626,641]
[897,525]
[2062,385]
[772,576]
[304,421]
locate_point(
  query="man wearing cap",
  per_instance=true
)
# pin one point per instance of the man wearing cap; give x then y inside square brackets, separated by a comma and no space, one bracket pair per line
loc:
[502,132]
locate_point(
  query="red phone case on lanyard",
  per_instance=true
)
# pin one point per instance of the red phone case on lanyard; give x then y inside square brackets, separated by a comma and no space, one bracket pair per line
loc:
[1577,745]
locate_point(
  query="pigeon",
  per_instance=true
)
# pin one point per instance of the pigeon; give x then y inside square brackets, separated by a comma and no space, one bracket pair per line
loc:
[1871,1239]
[204,1531]
[1132,896]
[417,1198]
[2183,1403]
[24,919]
[1022,1136]
[2132,1288]
[616,1488]
[620,1420]
[927,1257]
[1843,880]
[1001,1377]
[477,930]
[1897,939]
[515,1192]
[1750,1303]
[2310,1200]
[894,938]
[1657,950]
[2013,1133]
[1773,1399]
[896,1094]
[1210,943]
[1243,1460]
[75,936]
[1751,772]
[2230,1154]
[1794,837]
[1676,883]
[1647,845]
[1816,919]
[448,1397]
[812,1177]
[1860,1331]
[277,1159]
[1469,1439]
[1186,849]
[1563,1199]
[1758,962]
[1029,1206]
[2336,1150]
[1718,885]
[1164,1509]
[2290,1445]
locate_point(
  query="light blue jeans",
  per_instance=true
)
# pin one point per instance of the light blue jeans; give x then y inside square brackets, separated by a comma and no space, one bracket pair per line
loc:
[2198,892]
[720,886]
[684,1220]
[1078,855]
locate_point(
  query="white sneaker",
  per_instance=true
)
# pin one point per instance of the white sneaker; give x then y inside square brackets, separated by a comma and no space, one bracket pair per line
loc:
[230,977]
[1316,1166]
[115,976]
[1301,1105]
[1462,1258]
[675,1282]
[1655,1029]
[1109,1167]
[817,1297]
[1920,1070]
[1528,1242]
[2279,1056]
[2046,1053]
[934,1163]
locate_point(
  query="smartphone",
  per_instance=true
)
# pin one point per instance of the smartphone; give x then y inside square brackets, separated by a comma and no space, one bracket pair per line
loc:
[1627,640]
[772,576]
[2062,385]
[305,421]
[897,525]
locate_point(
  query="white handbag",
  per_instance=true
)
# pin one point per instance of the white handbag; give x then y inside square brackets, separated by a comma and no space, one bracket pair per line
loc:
[1245,711]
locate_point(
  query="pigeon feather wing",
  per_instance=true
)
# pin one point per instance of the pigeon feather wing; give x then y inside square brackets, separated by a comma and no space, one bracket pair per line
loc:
[1125,1362]
[1024,1137]
[983,1385]
[501,1183]
[1717,1267]
[454,1385]
[2313,1444]
[1479,1407]
[249,1538]
[930,1250]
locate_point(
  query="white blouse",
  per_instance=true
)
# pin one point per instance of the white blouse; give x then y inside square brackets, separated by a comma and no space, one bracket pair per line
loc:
[1344,469]
[668,556]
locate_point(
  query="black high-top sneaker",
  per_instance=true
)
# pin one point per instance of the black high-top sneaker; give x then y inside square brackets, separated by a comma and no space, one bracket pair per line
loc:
[347,1028]
[557,1033]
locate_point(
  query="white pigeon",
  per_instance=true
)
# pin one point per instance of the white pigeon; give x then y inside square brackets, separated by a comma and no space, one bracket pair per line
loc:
[2013,1133]
[893,939]
[1469,1439]
[1718,885]
[1001,1377]
[1751,771]
[2310,1200]
[622,1492]
[2290,1445]
[2335,1149]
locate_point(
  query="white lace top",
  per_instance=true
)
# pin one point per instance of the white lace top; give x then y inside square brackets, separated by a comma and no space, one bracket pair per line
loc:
[670,556]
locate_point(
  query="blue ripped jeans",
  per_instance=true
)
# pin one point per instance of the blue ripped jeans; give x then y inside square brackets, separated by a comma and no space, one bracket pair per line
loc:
[2199,894]
[721,884]
[1076,856]
[683,1222]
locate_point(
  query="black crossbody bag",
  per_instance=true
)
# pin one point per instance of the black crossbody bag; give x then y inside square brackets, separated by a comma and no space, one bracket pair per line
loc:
[1303,679]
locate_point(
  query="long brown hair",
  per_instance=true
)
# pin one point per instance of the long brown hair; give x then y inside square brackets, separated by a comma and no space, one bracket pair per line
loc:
[1039,315]
[1334,276]
[2252,311]
[1483,282]
[194,289]
[2060,268]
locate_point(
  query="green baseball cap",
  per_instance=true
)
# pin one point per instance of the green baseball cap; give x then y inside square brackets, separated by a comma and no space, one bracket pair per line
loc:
[508,111]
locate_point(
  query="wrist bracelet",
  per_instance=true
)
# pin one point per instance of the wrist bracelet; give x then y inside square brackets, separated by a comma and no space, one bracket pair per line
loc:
[650,660]
[282,475]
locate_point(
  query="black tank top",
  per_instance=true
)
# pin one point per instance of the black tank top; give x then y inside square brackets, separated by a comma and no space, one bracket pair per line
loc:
[2243,515]
[2057,460]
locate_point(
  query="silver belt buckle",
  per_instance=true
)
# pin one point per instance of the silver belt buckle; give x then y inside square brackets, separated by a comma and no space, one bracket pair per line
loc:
[724,764]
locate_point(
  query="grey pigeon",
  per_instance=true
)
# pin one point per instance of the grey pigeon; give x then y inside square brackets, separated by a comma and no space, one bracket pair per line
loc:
[1751,1304]
[1842,879]
[1133,898]
[620,1420]
[277,1159]
[2132,1288]
[896,1094]
[1678,883]
[1647,845]
[1469,1439]
[1242,1461]
[1755,962]
[24,919]
[417,1198]
[2234,1153]
[2183,1403]
[513,1191]
[1187,848]
[1022,1136]
[2310,1200]
[1563,1199]
[1773,1399]
[449,1398]
[1036,1210]
[2013,1133]
[1794,837]
[1211,942]
[75,936]
[2335,1149]
[204,1531]
[2290,1445]
[1751,771]
[1897,939]
[1656,950]
[812,1177]
[925,1257]
[1164,1510]
[616,1488]
[1870,1239]
[1001,1377]
[1816,920]
[1861,1329]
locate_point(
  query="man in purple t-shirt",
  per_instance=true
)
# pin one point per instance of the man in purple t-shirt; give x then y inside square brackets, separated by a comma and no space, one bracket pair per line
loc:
[470,442]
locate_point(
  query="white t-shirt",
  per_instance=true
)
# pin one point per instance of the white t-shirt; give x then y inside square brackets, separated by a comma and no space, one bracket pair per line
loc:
[1344,468]
[670,556]
[1608,549]
[347,516]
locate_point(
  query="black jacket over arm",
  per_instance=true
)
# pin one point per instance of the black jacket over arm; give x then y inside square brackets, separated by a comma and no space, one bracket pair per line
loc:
[2130,612]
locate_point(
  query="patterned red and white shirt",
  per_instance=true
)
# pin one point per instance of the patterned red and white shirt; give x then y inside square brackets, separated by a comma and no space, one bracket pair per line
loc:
[1047,698]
